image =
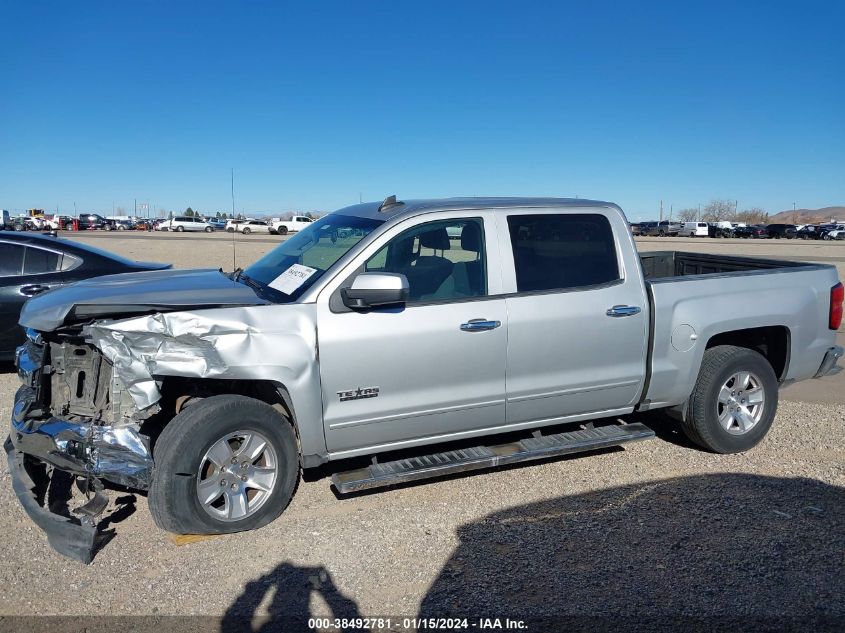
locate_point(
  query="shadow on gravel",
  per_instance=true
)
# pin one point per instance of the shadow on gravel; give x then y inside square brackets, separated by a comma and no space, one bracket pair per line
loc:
[289,589]
[725,552]
[737,550]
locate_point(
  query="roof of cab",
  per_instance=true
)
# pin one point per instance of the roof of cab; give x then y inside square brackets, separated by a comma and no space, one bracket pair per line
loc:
[407,208]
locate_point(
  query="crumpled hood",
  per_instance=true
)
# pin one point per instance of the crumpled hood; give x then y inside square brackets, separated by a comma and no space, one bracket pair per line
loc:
[133,293]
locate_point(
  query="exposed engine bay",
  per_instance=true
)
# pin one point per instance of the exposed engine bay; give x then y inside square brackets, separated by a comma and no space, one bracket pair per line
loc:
[83,384]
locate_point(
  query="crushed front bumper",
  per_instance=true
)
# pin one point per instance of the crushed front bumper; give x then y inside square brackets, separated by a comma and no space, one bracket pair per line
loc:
[41,445]
[68,536]
[117,454]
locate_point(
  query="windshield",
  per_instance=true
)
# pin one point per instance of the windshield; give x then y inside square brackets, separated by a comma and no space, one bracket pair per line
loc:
[298,262]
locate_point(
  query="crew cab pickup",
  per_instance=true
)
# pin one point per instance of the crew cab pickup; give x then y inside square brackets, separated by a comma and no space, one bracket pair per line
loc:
[371,335]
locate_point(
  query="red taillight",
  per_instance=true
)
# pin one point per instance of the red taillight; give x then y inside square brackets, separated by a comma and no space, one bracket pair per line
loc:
[837,294]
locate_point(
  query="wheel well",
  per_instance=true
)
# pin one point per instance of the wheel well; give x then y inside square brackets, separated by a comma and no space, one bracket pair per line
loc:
[772,342]
[178,393]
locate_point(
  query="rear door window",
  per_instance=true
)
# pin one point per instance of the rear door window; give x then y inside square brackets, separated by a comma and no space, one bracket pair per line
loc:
[37,261]
[562,251]
[11,259]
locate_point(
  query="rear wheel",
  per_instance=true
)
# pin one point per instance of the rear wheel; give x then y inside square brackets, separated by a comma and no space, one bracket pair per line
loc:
[180,228]
[226,464]
[282,230]
[734,401]
[247,230]
[208,229]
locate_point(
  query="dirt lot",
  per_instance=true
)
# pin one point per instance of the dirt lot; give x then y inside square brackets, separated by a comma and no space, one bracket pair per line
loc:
[656,529]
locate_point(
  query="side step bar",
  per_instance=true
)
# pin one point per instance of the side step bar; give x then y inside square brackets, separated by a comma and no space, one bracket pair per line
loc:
[464,459]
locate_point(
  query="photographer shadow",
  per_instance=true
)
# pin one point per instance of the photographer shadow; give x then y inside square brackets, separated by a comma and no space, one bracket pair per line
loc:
[291,588]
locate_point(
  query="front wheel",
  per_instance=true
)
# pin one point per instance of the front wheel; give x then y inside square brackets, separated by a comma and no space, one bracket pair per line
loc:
[734,401]
[226,464]
[247,230]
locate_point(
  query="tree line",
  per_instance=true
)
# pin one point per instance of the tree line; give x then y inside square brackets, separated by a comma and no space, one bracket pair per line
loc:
[719,210]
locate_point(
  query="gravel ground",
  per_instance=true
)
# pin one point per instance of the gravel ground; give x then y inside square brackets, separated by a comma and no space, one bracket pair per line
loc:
[657,528]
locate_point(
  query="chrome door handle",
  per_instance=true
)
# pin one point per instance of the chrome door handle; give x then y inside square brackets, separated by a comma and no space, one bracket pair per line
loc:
[33,289]
[479,325]
[622,311]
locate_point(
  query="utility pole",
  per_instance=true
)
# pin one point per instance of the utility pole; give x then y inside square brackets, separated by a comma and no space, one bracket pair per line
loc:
[671,211]
[699,212]
[661,210]
[135,214]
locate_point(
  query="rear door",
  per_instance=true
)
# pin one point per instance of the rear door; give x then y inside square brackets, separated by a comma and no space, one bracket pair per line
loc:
[433,369]
[577,315]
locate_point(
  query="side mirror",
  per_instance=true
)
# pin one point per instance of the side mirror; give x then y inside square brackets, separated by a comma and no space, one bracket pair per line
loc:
[375,290]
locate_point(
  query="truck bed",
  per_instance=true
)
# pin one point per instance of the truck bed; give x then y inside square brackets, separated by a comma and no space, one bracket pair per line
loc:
[694,297]
[667,264]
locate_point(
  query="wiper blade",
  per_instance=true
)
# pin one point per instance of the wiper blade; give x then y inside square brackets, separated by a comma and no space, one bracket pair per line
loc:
[249,281]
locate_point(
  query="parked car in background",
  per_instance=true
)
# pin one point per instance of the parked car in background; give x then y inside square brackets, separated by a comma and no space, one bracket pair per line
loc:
[58,222]
[124,225]
[5,220]
[27,223]
[695,229]
[778,231]
[218,224]
[186,223]
[808,232]
[720,229]
[296,223]
[91,221]
[33,263]
[835,234]
[756,231]
[827,229]
[663,228]
[254,226]
[636,228]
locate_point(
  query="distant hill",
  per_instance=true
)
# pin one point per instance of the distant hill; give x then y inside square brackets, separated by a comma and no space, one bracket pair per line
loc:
[808,216]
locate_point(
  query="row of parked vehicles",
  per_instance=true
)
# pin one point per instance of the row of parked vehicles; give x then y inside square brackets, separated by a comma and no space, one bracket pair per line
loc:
[179,224]
[81,222]
[246,226]
[667,228]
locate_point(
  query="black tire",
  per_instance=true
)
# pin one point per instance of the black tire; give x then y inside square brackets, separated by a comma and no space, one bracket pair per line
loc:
[661,234]
[283,230]
[121,228]
[209,229]
[701,424]
[69,226]
[180,228]
[179,452]
[247,230]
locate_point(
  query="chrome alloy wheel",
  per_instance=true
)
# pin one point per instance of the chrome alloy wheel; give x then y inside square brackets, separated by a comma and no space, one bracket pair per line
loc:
[741,403]
[237,475]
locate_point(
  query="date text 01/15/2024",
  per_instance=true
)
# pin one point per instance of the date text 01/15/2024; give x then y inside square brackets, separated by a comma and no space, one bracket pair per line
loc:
[417,624]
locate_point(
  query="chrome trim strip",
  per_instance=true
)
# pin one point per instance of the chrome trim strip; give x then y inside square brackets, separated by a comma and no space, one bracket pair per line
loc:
[576,390]
[417,414]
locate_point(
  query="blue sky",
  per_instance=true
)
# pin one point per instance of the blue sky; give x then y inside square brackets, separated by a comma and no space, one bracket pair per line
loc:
[316,103]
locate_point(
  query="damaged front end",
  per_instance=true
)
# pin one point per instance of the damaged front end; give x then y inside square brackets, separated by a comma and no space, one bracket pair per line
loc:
[72,413]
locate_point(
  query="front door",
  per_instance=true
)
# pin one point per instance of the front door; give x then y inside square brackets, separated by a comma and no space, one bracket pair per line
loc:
[434,368]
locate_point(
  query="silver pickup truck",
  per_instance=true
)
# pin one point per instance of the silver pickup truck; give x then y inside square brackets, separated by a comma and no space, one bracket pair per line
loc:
[500,330]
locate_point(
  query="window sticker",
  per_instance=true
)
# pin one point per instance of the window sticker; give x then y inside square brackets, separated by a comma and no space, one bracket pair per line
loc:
[290,280]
